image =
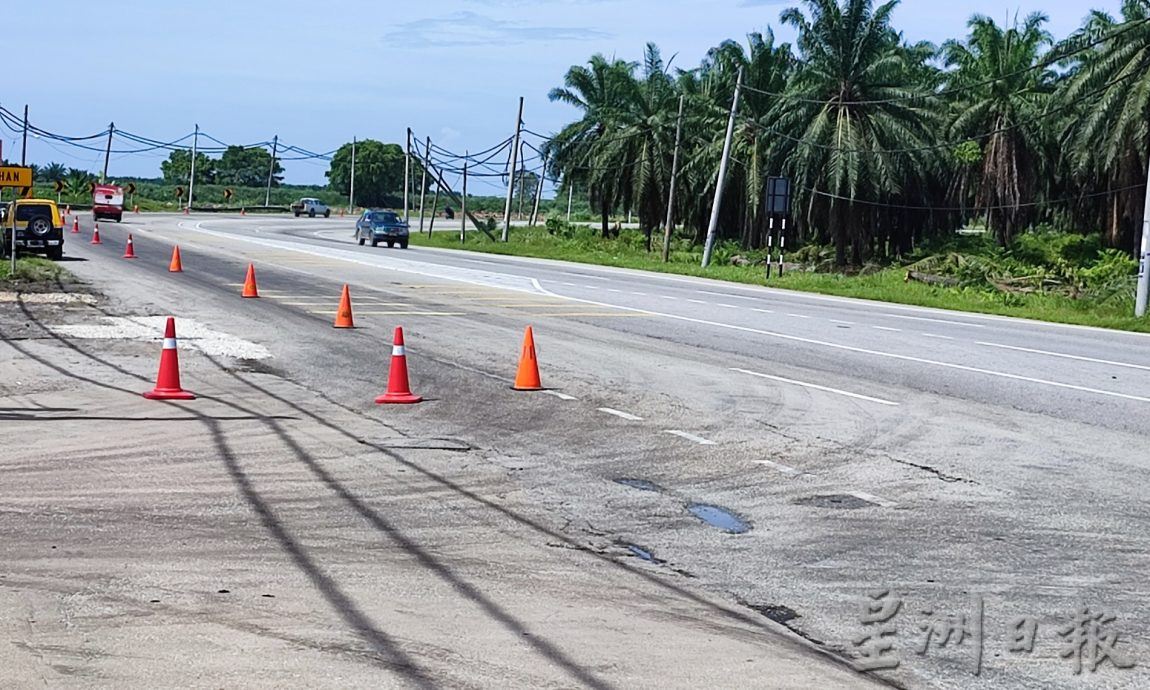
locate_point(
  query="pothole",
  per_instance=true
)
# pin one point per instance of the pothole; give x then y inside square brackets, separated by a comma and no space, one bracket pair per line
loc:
[776,612]
[841,501]
[721,518]
[640,484]
[645,554]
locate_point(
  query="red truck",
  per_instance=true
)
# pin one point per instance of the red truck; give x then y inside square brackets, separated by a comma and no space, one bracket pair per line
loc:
[108,202]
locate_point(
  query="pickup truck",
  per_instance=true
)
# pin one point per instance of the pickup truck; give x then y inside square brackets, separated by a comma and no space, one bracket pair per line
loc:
[312,207]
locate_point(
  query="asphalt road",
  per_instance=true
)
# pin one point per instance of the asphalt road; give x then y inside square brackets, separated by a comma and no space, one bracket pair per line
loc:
[866,446]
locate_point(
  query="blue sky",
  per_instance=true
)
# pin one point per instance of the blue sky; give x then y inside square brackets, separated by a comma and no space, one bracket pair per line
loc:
[318,74]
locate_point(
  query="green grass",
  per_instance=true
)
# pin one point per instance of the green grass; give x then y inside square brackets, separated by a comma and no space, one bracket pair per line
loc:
[30,270]
[886,285]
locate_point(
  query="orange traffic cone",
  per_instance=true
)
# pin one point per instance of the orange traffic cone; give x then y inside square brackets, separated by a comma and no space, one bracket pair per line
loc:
[250,282]
[68,210]
[75,226]
[96,234]
[398,388]
[186,209]
[343,315]
[130,250]
[168,379]
[136,208]
[243,212]
[176,266]
[527,378]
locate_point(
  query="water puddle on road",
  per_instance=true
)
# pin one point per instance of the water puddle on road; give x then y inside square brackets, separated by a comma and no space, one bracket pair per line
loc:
[640,484]
[719,517]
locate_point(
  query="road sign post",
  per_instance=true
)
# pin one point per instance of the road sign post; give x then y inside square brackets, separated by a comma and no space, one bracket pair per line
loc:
[18,177]
[778,206]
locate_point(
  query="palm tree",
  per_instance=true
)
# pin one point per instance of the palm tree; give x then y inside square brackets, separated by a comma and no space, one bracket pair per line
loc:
[1004,96]
[54,171]
[1107,143]
[592,150]
[854,124]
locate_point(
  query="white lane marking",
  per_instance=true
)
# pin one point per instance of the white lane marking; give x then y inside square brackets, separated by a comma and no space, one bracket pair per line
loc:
[478,261]
[923,318]
[817,387]
[690,437]
[763,311]
[561,396]
[873,499]
[785,469]
[608,289]
[887,328]
[725,294]
[860,350]
[620,413]
[940,337]
[636,292]
[567,284]
[672,297]
[845,323]
[583,275]
[585,287]
[725,306]
[798,316]
[1066,356]
[696,301]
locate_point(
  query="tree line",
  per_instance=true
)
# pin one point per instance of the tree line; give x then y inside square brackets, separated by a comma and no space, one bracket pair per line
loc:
[886,142]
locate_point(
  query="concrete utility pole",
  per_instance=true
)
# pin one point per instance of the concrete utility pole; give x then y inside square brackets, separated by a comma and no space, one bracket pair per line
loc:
[351,195]
[192,176]
[538,192]
[671,194]
[570,197]
[423,187]
[271,170]
[108,151]
[1144,255]
[463,205]
[407,180]
[511,172]
[716,206]
[24,149]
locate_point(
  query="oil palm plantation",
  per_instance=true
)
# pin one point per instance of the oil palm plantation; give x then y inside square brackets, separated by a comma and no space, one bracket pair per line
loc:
[1004,93]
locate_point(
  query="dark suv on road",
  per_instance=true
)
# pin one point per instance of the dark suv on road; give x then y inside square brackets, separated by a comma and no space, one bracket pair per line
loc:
[38,227]
[376,225]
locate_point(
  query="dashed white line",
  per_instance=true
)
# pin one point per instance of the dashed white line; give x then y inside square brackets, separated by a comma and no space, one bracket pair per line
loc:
[887,328]
[590,287]
[570,284]
[561,396]
[1066,356]
[668,297]
[619,413]
[923,318]
[690,437]
[804,384]
[725,294]
[696,301]
[785,469]
[725,306]
[613,290]
[873,499]
[763,311]
[940,337]
[636,292]
[583,275]
[845,323]
[798,316]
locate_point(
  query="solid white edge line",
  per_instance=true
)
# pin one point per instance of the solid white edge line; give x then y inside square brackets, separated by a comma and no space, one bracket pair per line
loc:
[851,348]
[1066,356]
[816,387]
[690,437]
[873,499]
[619,413]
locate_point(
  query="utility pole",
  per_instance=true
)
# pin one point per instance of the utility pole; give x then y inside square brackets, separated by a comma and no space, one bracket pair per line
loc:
[511,173]
[570,197]
[351,196]
[434,208]
[192,176]
[715,207]
[108,151]
[407,180]
[538,192]
[671,194]
[1144,259]
[463,205]
[522,177]
[24,150]
[271,170]
[423,185]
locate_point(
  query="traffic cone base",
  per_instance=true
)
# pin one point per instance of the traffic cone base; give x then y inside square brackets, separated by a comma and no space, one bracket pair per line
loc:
[527,378]
[398,387]
[130,250]
[343,317]
[250,283]
[168,378]
[176,266]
